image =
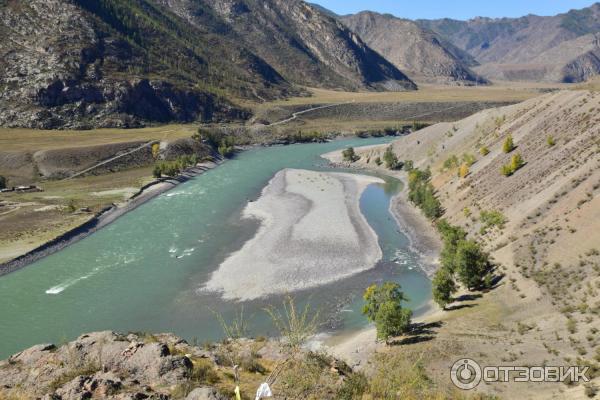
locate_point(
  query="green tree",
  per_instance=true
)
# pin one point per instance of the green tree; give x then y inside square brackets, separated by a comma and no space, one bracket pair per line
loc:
[451,236]
[509,145]
[3,182]
[471,264]
[350,155]
[443,287]
[390,159]
[383,306]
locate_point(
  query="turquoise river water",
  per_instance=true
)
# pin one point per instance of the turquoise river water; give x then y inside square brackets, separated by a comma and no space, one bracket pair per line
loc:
[142,273]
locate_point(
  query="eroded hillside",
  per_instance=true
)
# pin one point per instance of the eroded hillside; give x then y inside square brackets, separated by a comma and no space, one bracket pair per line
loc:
[540,225]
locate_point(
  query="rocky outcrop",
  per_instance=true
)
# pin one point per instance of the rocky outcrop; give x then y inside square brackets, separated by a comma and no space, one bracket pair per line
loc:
[419,52]
[108,365]
[99,365]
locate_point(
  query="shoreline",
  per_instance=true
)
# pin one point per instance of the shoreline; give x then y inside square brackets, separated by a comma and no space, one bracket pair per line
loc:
[356,347]
[105,217]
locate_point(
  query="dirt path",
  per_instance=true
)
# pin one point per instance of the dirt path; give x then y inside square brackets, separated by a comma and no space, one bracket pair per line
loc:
[296,114]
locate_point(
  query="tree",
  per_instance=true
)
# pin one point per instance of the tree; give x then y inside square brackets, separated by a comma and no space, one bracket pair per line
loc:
[470,263]
[451,235]
[383,306]
[390,159]
[509,145]
[443,287]
[3,182]
[350,155]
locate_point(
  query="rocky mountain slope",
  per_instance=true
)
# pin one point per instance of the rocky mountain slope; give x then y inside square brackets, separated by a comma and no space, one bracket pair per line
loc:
[419,52]
[305,45]
[74,63]
[561,48]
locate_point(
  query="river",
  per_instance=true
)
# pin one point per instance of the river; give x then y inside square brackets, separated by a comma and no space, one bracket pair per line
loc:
[142,272]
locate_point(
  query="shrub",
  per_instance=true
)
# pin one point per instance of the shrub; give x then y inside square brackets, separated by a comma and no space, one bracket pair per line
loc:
[390,159]
[3,182]
[409,165]
[383,306]
[378,161]
[350,155]
[443,287]
[463,171]
[451,162]
[509,145]
[469,159]
[484,151]
[516,162]
[550,141]
[295,326]
[506,170]
[493,218]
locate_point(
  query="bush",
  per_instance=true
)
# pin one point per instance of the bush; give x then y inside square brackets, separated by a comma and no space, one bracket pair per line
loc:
[506,170]
[349,155]
[451,162]
[409,165]
[3,182]
[383,306]
[484,151]
[550,141]
[469,159]
[463,171]
[516,162]
[443,287]
[493,218]
[390,159]
[378,161]
[509,145]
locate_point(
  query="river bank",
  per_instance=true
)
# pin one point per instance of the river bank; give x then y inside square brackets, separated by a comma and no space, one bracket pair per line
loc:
[356,348]
[105,217]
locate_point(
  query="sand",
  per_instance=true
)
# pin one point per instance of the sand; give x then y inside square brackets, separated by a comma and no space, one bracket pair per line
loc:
[312,233]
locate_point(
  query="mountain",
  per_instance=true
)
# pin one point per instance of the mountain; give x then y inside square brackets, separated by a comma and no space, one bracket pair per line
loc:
[82,64]
[561,48]
[419,52]
[306,46]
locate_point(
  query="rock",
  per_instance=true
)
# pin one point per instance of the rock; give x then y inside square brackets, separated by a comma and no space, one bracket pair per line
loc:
[205,393]
[33,354]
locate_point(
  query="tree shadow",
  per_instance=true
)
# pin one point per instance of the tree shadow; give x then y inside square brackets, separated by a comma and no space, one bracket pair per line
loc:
[419,333]
[460,306]
[468,297]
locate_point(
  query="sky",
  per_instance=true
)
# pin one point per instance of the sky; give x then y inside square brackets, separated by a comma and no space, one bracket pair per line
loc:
[456,9]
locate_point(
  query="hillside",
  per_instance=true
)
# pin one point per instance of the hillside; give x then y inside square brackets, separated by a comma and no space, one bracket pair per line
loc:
[126,63]
[543,234]
[305,45]
[419,52]
[561,48]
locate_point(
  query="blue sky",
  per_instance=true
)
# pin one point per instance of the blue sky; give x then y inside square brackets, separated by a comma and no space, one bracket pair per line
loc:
[457,9]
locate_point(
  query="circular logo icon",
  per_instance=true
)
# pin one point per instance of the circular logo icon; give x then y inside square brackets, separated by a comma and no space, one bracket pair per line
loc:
[465,374]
